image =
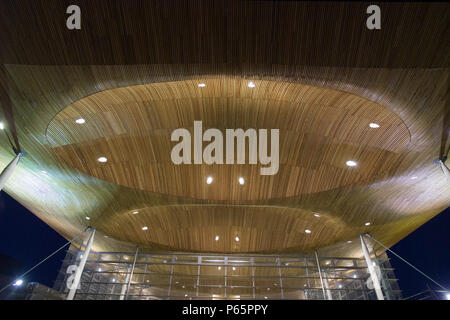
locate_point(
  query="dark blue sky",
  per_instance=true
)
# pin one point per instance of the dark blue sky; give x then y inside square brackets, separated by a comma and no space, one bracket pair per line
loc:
[427,248]
[26,238]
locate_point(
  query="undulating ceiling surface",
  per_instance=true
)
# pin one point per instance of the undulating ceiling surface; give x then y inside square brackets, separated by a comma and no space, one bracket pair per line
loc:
[320,76]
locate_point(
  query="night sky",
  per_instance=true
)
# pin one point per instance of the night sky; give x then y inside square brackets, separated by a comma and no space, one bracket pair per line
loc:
[27,239]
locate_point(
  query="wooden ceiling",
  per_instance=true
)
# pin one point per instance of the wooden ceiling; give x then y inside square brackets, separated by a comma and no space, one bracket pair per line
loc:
[321,77]
[320,130]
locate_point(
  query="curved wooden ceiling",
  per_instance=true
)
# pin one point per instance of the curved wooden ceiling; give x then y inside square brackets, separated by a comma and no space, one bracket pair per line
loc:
[195,228]
[134,86]
[320,129]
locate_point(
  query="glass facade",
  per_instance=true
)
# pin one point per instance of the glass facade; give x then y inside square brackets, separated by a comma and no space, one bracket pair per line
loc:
[146,276]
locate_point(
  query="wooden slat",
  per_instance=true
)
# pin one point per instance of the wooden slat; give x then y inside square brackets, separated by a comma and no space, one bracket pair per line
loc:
[320,81]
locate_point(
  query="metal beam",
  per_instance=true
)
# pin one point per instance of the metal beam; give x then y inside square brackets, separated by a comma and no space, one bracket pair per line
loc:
[384,284]
[281,279]
[320,275]
[132,271]
[80,268]
[327,286]
[169,292]
[123,291]
[372,272]
[9,169]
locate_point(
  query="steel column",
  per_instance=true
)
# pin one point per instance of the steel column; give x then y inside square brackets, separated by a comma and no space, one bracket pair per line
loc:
[9,169]
[253,277]
[131,274]
[373,274]
[377,264]
[327,286]
[125,285]
[199,262]
[281,280]
[80,268]
[226,275]
[445,170]
[171,277]
[320,275]
[307,278]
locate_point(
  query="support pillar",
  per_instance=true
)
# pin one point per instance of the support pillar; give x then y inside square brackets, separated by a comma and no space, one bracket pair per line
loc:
[80,268]
[307,279]
[9,169]
[445,170]
[327,286]
[169,292]
[253,278]
[281,279]
[123,291]
[320,275]
[199,262]
[370,267]
[225,275]
[384,284]
[131,274]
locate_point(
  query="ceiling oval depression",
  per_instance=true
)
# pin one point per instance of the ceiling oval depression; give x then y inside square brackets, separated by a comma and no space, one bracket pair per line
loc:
[129,130]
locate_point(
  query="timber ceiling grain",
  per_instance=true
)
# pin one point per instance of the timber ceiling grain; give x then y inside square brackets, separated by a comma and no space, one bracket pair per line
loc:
[321,77]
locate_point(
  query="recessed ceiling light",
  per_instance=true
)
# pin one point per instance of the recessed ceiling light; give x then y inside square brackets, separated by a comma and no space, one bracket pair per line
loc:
[102,159]
[234,268]
[340,286]
[88,218]
[367,223]
[316,215]
[349,241]
[201,85]
[209,180]
[80,121]
[145,228]
[217,238]
[219,268]
[308,231]
[2,126]
[135,212]
[251,84]
[18,283]
[185,295]
[265,297]
[374,125]
[99,269]
[106,236]
[113,280]
[351,163]
[237,239]
[241,180]
[354,276]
